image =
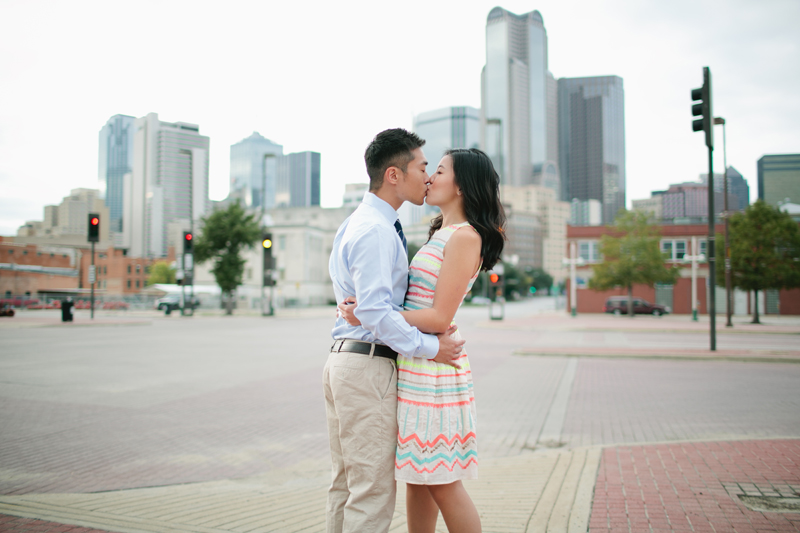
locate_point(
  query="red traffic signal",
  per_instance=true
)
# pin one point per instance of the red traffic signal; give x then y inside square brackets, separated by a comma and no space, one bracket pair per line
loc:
[187,242]
[94,228]
[494,278]
[188,236]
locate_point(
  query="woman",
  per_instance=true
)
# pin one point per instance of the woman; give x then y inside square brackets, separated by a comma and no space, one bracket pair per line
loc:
[437,445]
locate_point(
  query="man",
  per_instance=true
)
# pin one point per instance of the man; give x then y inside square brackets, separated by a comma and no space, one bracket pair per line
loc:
[369,260]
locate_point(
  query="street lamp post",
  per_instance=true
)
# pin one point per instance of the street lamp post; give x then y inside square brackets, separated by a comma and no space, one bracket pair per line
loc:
[728,306]
[694,258]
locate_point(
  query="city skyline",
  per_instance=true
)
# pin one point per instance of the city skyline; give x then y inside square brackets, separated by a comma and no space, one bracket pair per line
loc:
[328,99]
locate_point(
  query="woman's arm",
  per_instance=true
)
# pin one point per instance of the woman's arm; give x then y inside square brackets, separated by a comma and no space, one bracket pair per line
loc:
[461,259]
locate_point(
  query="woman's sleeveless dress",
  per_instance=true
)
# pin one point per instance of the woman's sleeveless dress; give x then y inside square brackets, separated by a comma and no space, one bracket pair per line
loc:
[436,415]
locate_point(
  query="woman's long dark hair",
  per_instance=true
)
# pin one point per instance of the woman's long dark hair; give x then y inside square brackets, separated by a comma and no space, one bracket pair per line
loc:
[480,186]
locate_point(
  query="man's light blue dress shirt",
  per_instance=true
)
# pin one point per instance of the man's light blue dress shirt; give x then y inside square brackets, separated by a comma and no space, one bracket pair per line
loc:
[368,261]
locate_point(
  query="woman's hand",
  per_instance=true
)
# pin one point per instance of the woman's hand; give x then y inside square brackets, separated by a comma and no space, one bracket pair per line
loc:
[347,311]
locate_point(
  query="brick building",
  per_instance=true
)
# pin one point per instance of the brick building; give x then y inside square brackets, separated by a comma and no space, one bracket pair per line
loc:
[676,243]
[33,269]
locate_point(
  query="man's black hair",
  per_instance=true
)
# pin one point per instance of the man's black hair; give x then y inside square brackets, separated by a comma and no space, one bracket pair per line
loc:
[389,148]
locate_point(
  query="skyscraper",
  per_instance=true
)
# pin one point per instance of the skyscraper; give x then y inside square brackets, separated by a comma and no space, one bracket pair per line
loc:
[297,180]
[168,184]
[591,131]
[250,170]
[442,129]
[115,160]
[779,178]
[449,127]
[518,100]
[738,185]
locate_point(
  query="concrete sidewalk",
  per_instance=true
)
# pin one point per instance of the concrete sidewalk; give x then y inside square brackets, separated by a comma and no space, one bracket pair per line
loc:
[738,486]
[547,490]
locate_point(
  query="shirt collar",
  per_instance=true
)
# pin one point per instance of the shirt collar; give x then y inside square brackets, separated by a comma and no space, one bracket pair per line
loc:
[382,206]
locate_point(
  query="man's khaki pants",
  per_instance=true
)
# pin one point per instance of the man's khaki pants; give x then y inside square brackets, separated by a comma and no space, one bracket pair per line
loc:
[361,404]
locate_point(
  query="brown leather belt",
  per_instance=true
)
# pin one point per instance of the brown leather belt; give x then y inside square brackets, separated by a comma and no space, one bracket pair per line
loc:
[347,345]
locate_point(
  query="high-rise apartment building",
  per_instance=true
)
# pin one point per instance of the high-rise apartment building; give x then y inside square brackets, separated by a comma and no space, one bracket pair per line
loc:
[297,180]
[518,99]
[168,185]
[779,178]
[591,130]
[115,160]
[253,170]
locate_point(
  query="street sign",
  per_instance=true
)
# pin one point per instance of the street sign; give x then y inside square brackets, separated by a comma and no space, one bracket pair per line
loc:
[92,274]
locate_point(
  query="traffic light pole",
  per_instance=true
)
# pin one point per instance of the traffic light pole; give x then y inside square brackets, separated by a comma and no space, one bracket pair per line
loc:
[712,266]
[94,278]
[705,124]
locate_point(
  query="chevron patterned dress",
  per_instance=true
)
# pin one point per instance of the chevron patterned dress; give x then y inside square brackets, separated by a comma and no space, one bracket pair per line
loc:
[436,442]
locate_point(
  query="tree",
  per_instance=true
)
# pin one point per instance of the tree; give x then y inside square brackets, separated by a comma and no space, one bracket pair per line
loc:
[765,251]
[161,272]
[224,235]
[632,257]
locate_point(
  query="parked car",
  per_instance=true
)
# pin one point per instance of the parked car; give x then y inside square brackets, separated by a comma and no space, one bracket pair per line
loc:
[173,303]
[619,306]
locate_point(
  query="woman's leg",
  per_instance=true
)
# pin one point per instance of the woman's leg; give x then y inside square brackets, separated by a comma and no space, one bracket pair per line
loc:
[458,511]
[421,510]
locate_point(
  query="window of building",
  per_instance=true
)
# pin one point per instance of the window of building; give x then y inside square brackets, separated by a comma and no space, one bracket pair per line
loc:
[673,249]
[24,252]
[137,283]
[138,269]
[129,284]
[129,269]
[105,270]
[702,247]
[589,251]
[10,252]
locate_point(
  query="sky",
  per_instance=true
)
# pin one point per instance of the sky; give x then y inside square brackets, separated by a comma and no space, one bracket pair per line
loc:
[327,76]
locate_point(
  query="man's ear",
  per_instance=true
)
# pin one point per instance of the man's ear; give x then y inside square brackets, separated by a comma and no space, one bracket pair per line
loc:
[391,175]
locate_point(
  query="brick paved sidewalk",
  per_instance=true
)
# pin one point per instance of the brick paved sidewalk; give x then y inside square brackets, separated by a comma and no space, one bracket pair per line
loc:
[9,524]
[702,487]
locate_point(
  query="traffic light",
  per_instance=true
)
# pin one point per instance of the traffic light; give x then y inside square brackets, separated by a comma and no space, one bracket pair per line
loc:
[266,245]
[494,279]
[94,227]
[703,110]
[188,241]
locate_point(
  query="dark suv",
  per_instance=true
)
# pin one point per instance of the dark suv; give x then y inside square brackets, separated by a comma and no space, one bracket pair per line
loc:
[619,306]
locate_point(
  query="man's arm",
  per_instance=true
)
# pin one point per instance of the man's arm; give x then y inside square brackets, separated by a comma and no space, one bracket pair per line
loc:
[371,257]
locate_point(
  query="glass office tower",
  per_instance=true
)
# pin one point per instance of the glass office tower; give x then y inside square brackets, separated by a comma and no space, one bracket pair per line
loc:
[518,107]
[591,130]
[297,182]
[168,184]
[442,129]
[779,178]
[252,172]
[115,160]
